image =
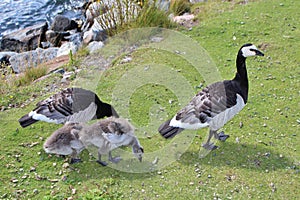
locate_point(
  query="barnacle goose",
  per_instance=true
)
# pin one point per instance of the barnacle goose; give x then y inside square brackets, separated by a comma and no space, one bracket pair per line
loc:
[214,105]
[69,105]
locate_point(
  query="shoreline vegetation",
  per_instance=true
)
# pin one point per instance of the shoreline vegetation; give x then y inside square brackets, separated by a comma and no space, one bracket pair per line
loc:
[260,160]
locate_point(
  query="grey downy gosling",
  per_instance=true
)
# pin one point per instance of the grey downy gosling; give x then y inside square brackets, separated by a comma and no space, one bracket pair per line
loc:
[65,141]
[216,104]
[109,134]
[69,105]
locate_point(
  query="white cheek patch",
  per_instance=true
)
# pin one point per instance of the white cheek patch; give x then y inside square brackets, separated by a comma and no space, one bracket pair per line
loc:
[247,52]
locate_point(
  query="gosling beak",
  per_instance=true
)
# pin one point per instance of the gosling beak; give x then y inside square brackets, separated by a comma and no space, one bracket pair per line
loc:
[259,53]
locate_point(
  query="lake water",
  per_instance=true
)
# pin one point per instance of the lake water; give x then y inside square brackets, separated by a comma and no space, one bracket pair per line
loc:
[17,14]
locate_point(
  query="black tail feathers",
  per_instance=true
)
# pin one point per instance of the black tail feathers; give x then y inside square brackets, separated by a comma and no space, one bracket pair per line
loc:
[26,121]
[168,131]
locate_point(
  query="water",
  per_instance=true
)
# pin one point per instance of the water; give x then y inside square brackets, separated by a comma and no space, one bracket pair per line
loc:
[18,14]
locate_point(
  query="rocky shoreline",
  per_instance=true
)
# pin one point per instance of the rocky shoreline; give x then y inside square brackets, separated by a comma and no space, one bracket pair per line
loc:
[41,43]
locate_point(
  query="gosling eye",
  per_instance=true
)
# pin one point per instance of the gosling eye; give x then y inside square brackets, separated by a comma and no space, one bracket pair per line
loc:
[61,137]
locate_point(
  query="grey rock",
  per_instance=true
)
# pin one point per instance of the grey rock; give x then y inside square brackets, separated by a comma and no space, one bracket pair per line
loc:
[66,48]
[25,39]
[56,38]
[21,61]
[163,5]
[94,10]
[62,23]
[95,46]
[5,56]
[95,33]
[76,38]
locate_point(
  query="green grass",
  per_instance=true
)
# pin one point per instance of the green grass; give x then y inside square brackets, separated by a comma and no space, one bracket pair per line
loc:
[264,164]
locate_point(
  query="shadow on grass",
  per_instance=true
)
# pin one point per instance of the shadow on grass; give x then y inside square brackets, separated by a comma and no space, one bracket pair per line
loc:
[239,156]
[258,157]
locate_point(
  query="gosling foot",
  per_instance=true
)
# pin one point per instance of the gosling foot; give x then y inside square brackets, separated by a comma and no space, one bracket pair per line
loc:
[115,159]
[75,160]
[102,163]
[209,146]
[222,137]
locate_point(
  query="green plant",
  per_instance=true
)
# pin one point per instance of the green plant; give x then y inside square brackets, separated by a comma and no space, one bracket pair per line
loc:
[73,63]
[151,16]
[119,13]
[179,7]
[31,74]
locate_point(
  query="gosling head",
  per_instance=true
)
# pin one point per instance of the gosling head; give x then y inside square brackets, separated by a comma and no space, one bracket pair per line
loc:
[248,50]
[63,140]
[138,152]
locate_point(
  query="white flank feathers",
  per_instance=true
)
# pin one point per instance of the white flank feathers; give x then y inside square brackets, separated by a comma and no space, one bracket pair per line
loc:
[219,120]
[178,123]
[40,117]
[216,122]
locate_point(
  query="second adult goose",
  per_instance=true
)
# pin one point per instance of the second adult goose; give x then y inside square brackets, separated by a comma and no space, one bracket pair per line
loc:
[69,105]
[214,105]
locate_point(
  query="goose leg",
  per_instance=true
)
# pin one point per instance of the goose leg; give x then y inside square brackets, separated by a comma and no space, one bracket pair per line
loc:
[114,159]
[221,136]
[100,161]
[74,157]
[208,145]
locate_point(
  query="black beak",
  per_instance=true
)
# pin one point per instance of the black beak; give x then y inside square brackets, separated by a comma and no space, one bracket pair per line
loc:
[258,53]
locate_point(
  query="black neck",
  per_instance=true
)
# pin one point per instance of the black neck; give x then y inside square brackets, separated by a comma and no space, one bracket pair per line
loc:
[105,110]
[241,75]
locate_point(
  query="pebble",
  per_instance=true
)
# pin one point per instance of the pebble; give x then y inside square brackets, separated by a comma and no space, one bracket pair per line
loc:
[73,191]
[191,183]
[155,161]
[264,125]
[64,178]
[209,176]
[14,180]
[35,191]
[32,169]
[24,177]
[66,165]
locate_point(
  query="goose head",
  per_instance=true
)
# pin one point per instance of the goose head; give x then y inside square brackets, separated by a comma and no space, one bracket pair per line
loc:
[248,50]
[138,151]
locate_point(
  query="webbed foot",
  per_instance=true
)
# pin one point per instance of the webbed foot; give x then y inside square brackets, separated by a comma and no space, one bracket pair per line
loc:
[221,136]
[209,146]
[102,163]
[115,159]
[75,160]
